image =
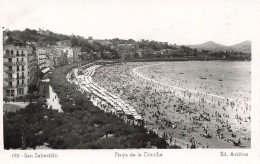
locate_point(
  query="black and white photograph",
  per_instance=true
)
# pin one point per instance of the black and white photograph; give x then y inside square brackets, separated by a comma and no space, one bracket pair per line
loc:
[131,78]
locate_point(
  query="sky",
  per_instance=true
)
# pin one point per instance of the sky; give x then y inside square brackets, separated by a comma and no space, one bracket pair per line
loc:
[180,22]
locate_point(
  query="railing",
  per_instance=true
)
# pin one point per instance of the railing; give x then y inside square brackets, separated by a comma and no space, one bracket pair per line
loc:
[9,71]
[9,56]
[9,78]
[20,63]
[9,63]
[21,85]
[9,87]
[20,70]
[21,77]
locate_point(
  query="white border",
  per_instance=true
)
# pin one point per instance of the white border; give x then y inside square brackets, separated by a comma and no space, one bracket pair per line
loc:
[169,155]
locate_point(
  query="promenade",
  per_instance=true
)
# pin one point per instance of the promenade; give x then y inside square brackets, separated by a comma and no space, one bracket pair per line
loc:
[53,100]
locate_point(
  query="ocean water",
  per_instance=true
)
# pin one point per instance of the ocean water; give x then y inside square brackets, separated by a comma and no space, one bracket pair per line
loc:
[223,78]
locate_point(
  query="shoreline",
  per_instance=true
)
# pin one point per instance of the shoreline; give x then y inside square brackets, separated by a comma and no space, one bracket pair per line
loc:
[135,70]
[128,77]
[181,59]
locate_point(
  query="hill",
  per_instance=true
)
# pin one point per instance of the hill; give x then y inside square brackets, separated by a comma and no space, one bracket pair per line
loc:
[244,46]
[52,38]
[210,45]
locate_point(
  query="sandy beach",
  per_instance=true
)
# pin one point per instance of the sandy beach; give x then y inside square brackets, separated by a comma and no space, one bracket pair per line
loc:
[204,104]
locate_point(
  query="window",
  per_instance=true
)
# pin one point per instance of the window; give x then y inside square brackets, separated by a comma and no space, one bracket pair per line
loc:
[10,67]
[7,52]
[22,68]
[17,59]
[10,83]
[8,92]
[22,81]
[17,53]
[12,52]
[17,75]
[18,69]
[22,59]
[12,92]
[10,75]
[20,91]
[22,53]
[10,60]
[17,82]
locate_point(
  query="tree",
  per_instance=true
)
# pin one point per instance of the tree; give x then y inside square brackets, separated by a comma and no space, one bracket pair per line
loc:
[74,41]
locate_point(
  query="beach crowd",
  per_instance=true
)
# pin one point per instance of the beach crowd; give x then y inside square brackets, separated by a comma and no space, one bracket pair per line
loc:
[186,118]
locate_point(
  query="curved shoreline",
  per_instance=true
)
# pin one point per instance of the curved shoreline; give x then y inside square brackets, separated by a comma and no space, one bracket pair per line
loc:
[174,87]
[139,81]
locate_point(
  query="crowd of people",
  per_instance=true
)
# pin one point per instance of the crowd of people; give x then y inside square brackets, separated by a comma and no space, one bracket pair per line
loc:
[101,97]
[187,118]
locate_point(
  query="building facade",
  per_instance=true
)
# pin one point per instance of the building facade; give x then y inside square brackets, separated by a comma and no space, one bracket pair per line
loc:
[68,54]
[32,67]
[42,58]
[127,51]
[76,54]
[18,68]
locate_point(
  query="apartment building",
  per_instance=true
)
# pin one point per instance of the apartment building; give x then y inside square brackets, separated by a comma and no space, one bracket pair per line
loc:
[19,68]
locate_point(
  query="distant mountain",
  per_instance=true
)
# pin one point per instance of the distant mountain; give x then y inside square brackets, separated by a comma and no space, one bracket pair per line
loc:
[212,46]
[244,46]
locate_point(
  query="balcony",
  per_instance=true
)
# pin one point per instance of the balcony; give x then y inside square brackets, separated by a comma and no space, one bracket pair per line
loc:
[21,85]
[9,56]
[20,63]
[9,78]
[9,63]
[21,77]
[9,87]
[9,71]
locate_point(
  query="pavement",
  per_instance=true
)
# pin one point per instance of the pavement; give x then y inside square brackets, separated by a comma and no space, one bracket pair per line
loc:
[53,100]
